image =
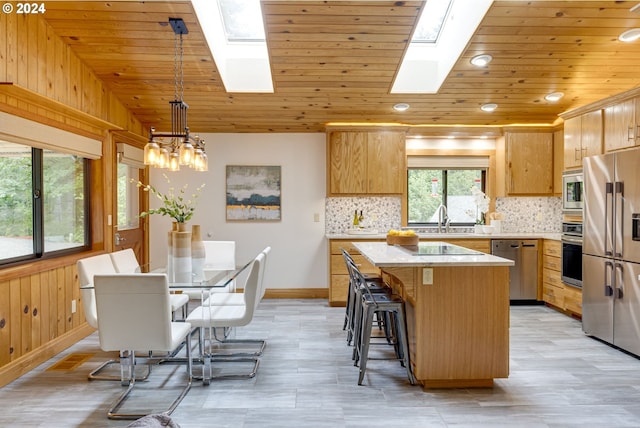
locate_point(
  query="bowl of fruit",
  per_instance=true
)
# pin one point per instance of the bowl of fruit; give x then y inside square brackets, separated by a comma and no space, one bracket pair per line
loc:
[402,237]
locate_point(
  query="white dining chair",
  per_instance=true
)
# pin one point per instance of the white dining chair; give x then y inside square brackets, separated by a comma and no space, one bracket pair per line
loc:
[220,256]
[134,312]
[210,318]
[125,261]
[87,268]
[224,299]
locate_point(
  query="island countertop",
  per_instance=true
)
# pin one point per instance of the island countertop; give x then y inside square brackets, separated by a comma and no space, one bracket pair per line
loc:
[382,255]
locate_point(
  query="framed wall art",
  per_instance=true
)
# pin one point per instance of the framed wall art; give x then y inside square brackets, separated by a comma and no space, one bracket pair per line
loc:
[253,193]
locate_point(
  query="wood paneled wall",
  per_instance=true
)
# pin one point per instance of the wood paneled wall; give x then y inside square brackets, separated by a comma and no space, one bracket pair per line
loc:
[54,86]
[42,80]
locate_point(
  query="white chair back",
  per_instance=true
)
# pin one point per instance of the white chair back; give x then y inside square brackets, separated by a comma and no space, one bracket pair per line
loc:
[251,289]
[263,266]
[87,269]
[133,312]
[220,255]
[125,261]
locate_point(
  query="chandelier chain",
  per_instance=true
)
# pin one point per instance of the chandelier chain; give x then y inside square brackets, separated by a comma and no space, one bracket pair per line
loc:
[170,150]
[178,70]
[181,70]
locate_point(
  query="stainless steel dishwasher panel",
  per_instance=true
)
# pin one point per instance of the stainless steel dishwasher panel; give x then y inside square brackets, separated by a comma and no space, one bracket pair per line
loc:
[523,276]
[529,269]
[509,249]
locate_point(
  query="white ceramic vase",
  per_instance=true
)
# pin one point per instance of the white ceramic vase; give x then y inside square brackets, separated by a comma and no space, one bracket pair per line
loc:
[182,270]
[170,276]
[197,254]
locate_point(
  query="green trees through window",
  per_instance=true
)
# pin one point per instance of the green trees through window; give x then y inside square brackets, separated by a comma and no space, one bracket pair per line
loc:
[428,188]
[43,198]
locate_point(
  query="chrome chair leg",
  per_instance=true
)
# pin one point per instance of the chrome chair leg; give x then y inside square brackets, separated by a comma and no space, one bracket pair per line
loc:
[129,380]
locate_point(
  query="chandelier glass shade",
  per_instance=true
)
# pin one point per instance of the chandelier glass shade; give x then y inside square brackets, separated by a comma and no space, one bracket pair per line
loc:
[178,147]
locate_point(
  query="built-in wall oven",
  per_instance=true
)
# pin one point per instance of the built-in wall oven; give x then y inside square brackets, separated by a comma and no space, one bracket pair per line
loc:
[571,256]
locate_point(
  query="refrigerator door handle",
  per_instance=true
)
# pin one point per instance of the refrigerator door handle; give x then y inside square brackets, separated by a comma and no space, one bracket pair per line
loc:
[619,281]
[608,289]
[618,223]
[608,207]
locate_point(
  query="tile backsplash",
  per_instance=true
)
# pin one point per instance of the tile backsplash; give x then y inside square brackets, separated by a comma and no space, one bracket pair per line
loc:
[522,214]
[531,214]
[381,213]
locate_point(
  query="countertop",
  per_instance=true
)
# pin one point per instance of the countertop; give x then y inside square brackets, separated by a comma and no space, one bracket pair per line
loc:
[445,236]
[382,255]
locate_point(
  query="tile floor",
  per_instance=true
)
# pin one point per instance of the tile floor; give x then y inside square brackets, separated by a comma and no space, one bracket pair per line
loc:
[559,378]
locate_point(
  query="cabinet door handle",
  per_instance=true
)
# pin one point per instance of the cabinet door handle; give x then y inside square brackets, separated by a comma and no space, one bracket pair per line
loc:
[576,156]
[630,133]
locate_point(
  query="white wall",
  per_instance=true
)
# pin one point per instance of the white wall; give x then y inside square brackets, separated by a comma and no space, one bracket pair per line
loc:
[298,258]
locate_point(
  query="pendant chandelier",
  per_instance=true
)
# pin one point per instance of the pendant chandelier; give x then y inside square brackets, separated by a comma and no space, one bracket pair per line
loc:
[170,150]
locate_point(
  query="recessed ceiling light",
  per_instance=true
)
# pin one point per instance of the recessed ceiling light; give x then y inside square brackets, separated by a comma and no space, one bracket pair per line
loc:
[554,96]
[481,60]
[401,107]
[488,107]
[630,35]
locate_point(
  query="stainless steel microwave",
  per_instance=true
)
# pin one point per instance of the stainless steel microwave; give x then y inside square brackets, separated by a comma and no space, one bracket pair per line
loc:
[572,192]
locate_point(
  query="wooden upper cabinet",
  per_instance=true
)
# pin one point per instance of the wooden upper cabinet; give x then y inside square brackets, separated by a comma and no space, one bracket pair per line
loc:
[366,162]
[347,162]
[558,158]
[573,142]
[620,125]
[529,163]
[582,138]
[386,160]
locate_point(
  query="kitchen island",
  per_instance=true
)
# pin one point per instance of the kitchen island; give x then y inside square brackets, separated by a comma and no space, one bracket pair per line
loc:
[457,304]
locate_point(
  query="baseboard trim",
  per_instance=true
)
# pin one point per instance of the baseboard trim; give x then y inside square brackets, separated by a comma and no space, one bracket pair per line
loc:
[297,293]
[29,361]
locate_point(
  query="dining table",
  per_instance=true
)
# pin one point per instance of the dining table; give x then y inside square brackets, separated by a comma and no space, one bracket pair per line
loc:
[213,280]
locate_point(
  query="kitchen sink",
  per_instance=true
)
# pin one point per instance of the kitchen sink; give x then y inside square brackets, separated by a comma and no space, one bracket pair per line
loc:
[362,232]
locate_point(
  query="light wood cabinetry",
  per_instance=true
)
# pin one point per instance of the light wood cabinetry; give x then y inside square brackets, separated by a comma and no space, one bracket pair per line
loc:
[620,125]
[582,138]
[458,326]
[366,162]
[338,275]
[528,164]
[554,291]
[558,160]
[552,287]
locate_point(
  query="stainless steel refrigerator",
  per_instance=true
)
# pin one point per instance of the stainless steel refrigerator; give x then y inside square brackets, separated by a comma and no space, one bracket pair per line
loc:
[611,249]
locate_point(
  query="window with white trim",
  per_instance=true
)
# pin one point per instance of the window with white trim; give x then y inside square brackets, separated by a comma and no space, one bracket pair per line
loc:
[444,180]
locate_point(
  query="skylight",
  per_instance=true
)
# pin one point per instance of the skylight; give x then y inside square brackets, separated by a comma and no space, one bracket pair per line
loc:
[431,22]
[425,66]
[235,34]
[242,20]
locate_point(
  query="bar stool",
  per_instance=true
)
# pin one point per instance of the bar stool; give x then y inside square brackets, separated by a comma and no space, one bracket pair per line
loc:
[374,280]
[352,313]
[392,307]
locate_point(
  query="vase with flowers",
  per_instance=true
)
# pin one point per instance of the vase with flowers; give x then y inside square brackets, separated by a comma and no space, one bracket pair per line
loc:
[482,207]
[180,208]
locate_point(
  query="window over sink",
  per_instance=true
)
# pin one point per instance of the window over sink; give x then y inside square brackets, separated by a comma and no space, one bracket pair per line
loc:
[444,181]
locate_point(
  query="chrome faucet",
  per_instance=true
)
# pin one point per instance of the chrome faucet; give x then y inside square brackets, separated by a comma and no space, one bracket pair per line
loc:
[443,218]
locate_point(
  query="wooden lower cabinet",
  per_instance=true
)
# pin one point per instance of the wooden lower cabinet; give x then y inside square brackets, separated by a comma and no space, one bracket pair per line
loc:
[338,275]
[458,324]
[339,278]
[555,292]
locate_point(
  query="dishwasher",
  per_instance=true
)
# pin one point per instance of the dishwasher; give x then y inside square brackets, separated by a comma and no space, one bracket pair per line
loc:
[523,275]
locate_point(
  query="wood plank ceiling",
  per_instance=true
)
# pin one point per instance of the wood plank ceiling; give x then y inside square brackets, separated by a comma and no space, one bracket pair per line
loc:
[335,61]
